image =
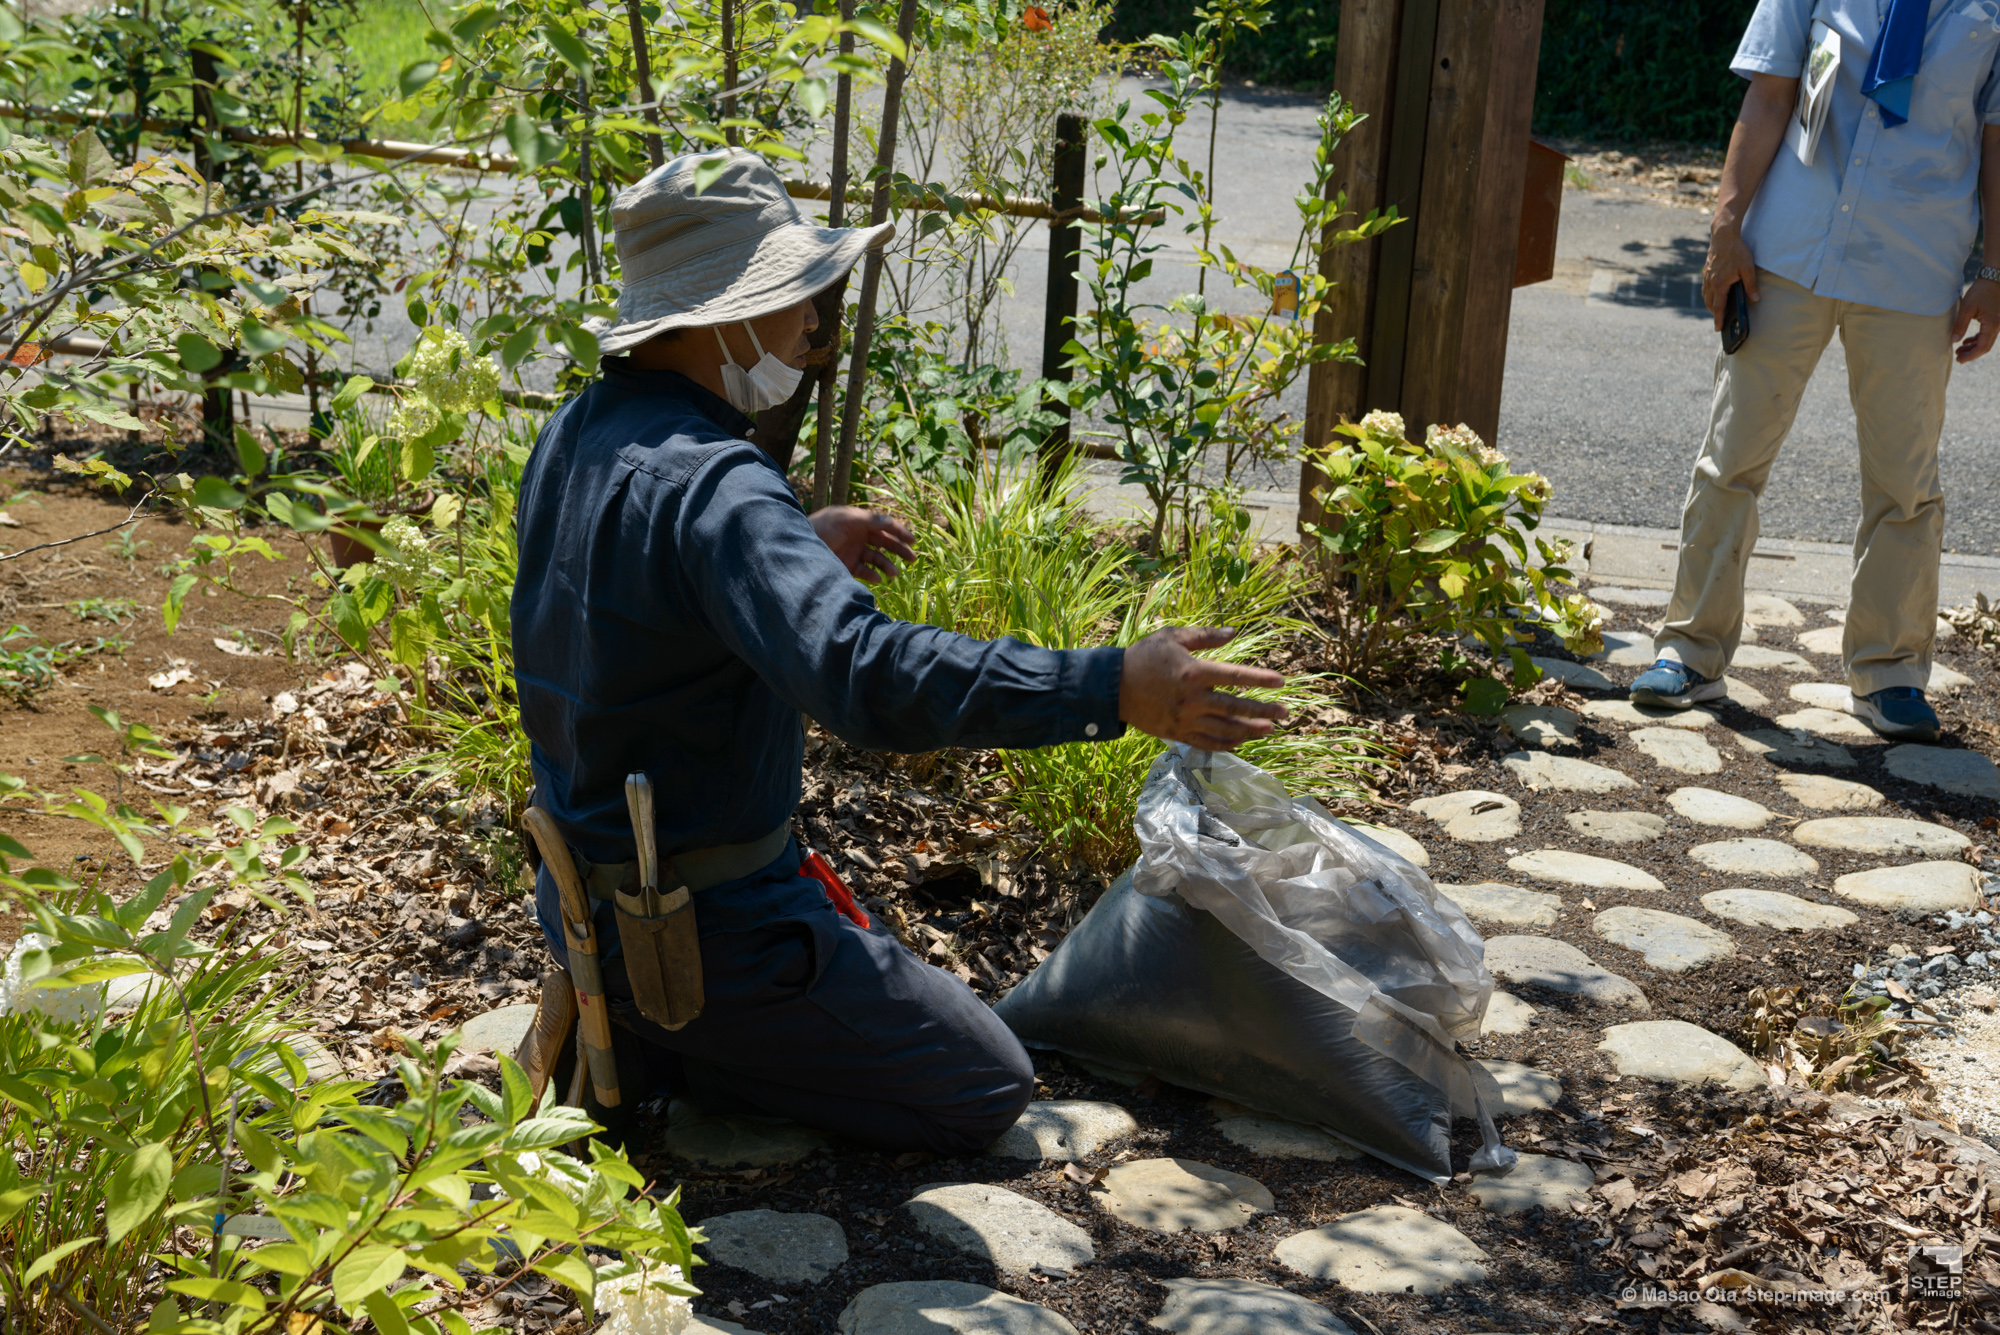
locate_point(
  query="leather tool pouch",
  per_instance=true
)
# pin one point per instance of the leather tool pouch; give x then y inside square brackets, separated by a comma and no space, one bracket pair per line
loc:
[656,934]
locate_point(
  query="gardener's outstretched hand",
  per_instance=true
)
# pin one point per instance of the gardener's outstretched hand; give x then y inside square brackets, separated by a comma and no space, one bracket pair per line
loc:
[864,540]
[1168,692]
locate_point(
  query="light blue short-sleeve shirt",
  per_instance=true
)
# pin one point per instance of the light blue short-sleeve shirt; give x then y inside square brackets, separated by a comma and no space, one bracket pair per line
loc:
[1885,215]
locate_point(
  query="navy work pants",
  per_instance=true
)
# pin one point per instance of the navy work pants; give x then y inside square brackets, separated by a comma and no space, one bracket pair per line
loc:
[810,1016]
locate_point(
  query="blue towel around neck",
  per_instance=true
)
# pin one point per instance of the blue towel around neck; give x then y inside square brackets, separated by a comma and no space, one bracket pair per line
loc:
[1892,67]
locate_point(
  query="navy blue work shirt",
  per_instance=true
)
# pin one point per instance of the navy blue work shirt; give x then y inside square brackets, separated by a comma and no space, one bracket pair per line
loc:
[675,613]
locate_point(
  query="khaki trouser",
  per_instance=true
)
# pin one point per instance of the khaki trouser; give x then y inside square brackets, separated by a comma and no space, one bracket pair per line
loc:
[1897,367]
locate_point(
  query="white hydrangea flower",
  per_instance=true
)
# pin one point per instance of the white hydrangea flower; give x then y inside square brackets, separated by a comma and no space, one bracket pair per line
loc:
[1384,423]
[412,563]
[415,414]
[446,372]
[1461,441]
[631,1305]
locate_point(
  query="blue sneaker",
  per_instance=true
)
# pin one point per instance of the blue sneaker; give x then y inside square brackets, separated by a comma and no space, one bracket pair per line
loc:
[1672,685]
[1900,712]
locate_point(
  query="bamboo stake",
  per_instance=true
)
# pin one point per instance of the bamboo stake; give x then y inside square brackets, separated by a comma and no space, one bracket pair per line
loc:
[643,64]
[871,272]
[836,215]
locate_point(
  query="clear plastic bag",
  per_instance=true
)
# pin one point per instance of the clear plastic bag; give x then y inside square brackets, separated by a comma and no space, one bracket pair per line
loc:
[1332,909]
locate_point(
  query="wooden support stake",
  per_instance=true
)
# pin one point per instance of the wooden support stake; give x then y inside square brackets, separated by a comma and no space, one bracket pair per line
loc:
[836,216]
[871,270]
[1059,311]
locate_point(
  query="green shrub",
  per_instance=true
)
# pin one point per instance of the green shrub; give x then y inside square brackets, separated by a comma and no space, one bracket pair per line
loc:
[174,1166]
[1000,554]
[1434,540]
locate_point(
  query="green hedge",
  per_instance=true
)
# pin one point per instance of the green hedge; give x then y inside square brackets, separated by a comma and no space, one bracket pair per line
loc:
[1621,70]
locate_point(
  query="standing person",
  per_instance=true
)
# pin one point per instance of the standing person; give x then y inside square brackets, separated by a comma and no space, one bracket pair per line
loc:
[678,613]
[1870,239]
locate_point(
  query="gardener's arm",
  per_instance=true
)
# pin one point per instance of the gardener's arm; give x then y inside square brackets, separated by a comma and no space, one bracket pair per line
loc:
[1981,301]
[1760,131]
[784,603]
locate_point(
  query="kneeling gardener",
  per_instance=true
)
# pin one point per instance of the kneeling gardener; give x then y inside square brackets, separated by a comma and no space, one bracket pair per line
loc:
[676,613]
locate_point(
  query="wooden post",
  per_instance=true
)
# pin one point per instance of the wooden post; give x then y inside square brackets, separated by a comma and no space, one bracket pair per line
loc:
[871,268]
[1448,87]
[1059,311]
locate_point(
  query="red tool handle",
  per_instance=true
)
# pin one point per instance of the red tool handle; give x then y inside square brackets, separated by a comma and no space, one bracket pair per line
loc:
[814,865]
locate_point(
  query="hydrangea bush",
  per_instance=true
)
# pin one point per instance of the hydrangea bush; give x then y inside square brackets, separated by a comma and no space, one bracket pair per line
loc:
[1437,539]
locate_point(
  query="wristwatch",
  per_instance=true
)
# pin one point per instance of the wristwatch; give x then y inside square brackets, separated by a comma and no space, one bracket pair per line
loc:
[1987,271]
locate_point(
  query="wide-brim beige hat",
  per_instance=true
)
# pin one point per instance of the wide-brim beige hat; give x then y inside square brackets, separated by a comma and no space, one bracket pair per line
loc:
[736,250]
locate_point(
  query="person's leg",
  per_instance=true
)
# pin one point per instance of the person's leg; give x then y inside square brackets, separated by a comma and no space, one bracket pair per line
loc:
[816,1019]
[1897,369]
[1757,392]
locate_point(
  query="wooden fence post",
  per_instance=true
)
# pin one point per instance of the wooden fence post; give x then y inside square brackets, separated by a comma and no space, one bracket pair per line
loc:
[1448,87]
[1059,311]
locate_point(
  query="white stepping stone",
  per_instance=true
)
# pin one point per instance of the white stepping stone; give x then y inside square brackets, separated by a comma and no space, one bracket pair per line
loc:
[1747,635]
[1535,1182]
[1555,864]
[1523,1088]
[1744,694]
[946,1307]
[1560,967]
[1276,1138]
[1171,1195]
[1490,901]
[1537,770]
[783,1248]
[1826,640]
[1966,773]
[1758,658]
[1754,857]
[1791,748]
[1678,749]
[1927,887]
[1579,675]
[1823,695]
[1705,806]
[1618,827]
[1506,1014]
[1882,836]
[1667,941]
[1063,1129]
[1540,726]
[1624,597]
[1827,723]
[1767,609]
[1402,845]
[1627,714]
[736,1140]
[994,1224]
[1823,792]
[1776,910]
[1473,816]
[1241,1307]
[1387,1249]
[1678,1053]
[498,1030]
[1946,681]
[1626,648]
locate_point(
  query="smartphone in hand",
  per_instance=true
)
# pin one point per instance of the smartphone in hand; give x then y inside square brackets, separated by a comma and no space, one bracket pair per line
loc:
[1735,318]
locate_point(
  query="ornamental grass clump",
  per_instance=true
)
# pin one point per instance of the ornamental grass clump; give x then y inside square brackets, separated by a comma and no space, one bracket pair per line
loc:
[1437,540]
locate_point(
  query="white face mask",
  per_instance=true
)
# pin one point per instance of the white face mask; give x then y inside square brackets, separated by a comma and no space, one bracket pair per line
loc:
[766,385]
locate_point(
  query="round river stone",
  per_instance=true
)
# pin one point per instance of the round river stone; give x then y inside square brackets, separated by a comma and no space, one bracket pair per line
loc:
[994,1224]
[1754,857]
[1063,1129]
[1679,1053]
[1618,827]
[1667,941]
[783,1248]
[1927,887]
[946,1307]
[1473,816]
[1882,836]
[1554,864]
[1536,770]
[1169,1195]
[1677,749]
[1705,806]
[1776,910]
[1560,967]
[1386,1249]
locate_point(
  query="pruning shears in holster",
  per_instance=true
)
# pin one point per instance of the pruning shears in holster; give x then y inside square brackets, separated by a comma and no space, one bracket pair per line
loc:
[656,928]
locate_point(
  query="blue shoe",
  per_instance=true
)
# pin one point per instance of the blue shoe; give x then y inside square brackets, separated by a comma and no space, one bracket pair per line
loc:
[1900,712]
[1672,685]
